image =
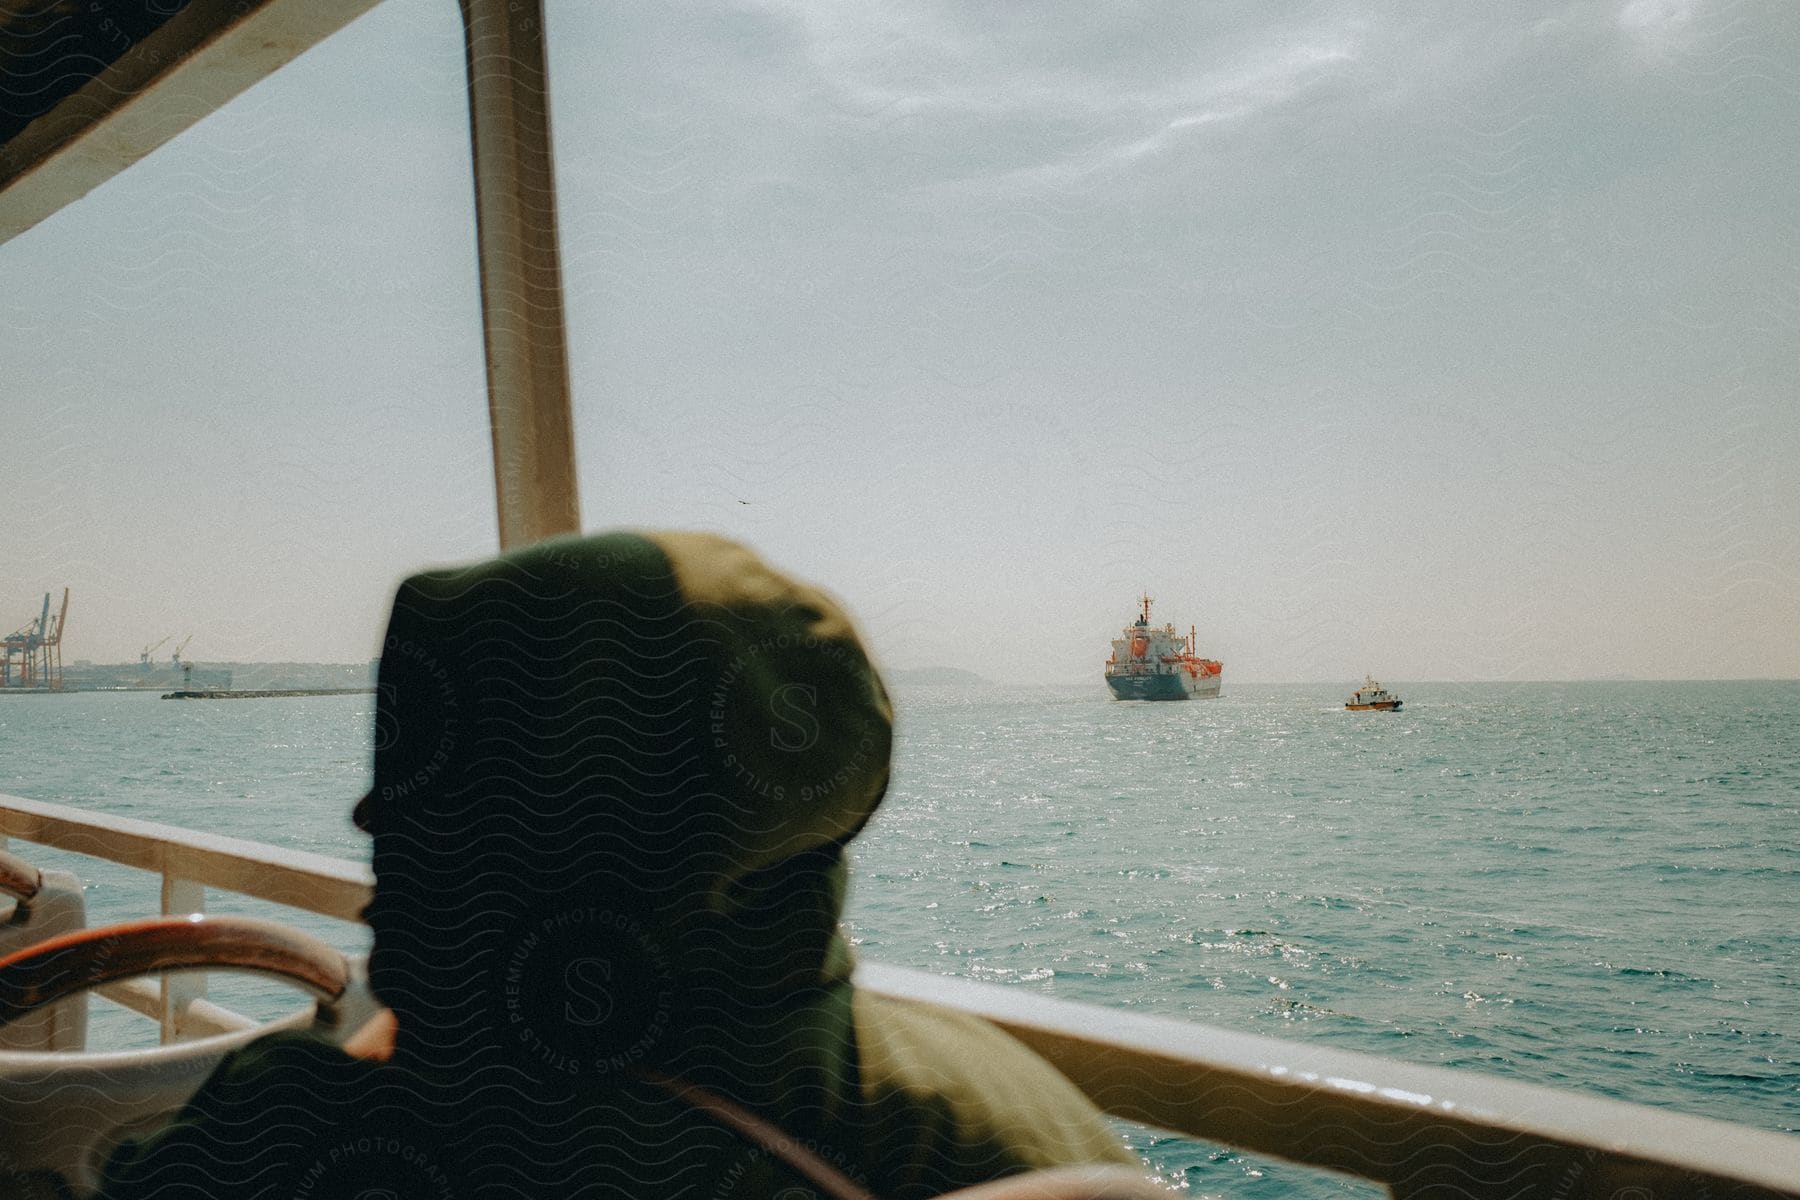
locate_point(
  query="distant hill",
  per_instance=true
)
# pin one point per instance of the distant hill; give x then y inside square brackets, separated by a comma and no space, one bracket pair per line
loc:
[937,677]
[291,675]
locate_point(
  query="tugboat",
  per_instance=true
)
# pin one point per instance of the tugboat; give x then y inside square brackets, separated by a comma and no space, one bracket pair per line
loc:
[1372,697]
[1159,664]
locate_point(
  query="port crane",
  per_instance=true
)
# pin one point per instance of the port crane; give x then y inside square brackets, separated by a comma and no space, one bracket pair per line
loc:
[33,654]
[147,651]
[53,636]
[175,658]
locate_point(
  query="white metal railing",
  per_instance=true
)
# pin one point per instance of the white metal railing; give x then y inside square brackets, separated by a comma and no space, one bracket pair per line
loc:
[1414,1128]
[189,863]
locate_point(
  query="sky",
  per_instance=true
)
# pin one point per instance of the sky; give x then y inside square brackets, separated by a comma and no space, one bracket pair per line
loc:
[1448,342]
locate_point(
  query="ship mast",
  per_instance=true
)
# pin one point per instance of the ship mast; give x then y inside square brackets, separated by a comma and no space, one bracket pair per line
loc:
[1144,619]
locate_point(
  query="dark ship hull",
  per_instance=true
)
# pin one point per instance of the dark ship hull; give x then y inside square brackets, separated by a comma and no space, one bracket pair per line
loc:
[1176,686]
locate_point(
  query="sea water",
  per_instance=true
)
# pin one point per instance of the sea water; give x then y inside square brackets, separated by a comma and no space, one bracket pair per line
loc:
[1593,886]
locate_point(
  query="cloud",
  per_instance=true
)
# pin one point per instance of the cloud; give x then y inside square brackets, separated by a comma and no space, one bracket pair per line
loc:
[1658,26]
[1271,80]
[1656,16]
[970,97]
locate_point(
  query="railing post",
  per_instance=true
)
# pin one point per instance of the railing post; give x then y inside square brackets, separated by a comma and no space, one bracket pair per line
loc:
[180,897]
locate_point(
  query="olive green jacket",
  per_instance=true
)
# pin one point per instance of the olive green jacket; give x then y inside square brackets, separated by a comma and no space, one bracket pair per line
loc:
[614,782]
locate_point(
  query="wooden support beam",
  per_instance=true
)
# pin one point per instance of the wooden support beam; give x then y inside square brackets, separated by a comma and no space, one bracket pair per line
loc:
[521,271]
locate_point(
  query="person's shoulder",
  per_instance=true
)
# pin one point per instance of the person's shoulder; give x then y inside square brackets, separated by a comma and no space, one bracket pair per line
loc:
[290,1060]
[288,1047]
[273,1094]
[957,1071]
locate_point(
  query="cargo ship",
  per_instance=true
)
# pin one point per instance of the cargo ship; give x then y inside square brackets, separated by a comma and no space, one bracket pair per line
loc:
[1159,664]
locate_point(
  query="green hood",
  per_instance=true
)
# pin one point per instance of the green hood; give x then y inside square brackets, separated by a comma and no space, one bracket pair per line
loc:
[614,778]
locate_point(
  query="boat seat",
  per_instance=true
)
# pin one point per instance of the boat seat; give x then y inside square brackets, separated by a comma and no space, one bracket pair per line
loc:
[65,1114]
[35,906]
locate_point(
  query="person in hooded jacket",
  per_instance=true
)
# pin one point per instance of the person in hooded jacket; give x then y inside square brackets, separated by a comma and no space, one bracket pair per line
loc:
[615,778]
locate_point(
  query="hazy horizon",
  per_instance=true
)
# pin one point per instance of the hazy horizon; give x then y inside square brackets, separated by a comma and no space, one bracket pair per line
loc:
[1442,344]
[895,675]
